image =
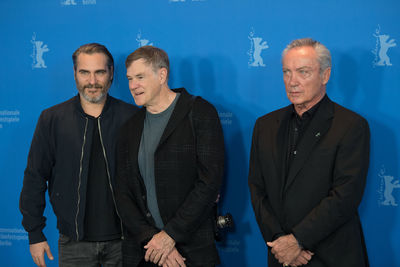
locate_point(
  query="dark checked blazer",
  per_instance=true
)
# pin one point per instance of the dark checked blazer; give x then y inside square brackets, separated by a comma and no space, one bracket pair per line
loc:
[188,174]
[324,184]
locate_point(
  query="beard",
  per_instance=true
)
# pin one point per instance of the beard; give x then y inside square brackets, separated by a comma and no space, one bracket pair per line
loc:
[93,99]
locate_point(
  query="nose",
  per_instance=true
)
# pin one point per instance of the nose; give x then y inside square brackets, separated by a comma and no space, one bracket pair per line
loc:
[92,78]
[133,84]
[293,80]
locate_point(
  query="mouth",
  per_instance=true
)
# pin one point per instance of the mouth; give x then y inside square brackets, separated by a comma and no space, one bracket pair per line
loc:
[294,93]
[138,93]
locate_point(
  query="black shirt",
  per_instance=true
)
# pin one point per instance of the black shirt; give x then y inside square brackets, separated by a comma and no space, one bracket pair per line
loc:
[101,220]
[297,126]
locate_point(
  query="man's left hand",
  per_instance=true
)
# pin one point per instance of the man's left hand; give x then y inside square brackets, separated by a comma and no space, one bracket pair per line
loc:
[158,248]
[285,249]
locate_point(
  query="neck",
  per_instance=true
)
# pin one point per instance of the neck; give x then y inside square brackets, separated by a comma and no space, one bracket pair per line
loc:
[165,99]
[301,108]
[92,109]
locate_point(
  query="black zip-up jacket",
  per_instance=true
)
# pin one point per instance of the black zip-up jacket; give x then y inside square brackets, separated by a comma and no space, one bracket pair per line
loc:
[58,160]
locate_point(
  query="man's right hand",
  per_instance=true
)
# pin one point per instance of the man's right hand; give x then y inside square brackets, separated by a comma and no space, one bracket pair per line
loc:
[37,251]
[304,257]
[174,259]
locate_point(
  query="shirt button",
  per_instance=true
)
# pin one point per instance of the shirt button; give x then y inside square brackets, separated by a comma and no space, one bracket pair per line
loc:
[148,215]
[295,152]
[143,196]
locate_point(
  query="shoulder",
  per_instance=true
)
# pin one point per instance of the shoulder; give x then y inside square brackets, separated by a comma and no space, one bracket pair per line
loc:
[203,108]
[122,105]
[272,117]
[58,110]
[134,122]
[348,117]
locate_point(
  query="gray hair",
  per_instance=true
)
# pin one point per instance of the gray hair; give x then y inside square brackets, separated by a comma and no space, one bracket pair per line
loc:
[323,54]
[152,55]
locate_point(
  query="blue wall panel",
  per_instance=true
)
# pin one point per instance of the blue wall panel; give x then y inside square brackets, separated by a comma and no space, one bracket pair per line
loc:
[229,53]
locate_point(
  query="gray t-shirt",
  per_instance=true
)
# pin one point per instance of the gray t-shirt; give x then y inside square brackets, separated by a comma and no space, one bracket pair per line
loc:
[154,125]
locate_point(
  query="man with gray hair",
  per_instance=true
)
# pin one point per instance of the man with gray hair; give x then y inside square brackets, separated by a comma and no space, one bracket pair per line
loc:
[170,158]
[308,167]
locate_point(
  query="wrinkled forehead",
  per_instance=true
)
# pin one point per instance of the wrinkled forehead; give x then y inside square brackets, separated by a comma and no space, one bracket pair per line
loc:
[298,57]
[141,62]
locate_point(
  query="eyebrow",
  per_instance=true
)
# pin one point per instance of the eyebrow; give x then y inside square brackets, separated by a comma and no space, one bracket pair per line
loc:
[138,74]
[304,67]
[85,70]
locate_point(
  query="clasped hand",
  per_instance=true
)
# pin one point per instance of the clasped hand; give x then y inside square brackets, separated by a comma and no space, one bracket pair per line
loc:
[161,250]
[287,251]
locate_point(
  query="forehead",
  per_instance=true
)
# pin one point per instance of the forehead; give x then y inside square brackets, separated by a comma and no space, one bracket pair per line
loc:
[95,60]
[300,57]
[140,65]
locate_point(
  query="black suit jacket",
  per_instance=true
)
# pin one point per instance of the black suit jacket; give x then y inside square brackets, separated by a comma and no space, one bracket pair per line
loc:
[188,173]
[324,184]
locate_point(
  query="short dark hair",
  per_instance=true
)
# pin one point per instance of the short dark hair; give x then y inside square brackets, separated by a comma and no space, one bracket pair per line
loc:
[152,55]
[93,48]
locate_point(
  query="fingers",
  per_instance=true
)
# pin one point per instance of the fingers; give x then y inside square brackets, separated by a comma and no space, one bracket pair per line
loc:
[155,257]
[148,254]
[181,261]
[37,251]
[162,259]
[306,256]
[302,259]
[309,252]
[48,252]
[174,259]
[39,260]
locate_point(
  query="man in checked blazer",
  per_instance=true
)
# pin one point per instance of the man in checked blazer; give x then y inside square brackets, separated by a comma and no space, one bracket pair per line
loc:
[308,167]
[170,161]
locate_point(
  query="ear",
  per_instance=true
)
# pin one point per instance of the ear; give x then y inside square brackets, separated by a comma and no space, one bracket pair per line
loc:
[112,72]
[326,75]
[162,75]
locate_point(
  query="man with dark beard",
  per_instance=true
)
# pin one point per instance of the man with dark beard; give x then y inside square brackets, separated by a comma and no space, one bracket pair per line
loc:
[72,155]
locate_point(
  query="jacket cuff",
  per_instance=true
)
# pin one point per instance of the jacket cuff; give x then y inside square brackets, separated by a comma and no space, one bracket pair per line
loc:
[146,236]
[302,240]
[298,241]
[174,233]
[36,237]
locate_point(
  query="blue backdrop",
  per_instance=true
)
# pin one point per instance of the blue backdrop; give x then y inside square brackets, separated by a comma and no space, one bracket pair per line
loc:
[229,53]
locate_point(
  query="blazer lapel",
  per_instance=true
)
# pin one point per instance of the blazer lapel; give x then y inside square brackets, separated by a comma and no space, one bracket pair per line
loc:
[279,148]
[136,135]
[183,106]
[318,127]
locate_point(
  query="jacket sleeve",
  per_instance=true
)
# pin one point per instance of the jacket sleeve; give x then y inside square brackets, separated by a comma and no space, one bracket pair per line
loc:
[265,216]
[349,177]
[132,217]
[210,164]
[37,173]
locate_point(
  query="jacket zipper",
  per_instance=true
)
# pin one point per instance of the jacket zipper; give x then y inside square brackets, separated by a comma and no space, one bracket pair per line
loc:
[109,176]
[80,180]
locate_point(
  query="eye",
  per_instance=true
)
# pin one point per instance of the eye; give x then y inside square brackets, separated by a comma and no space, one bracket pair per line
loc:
[100,72]
[83,72]
[305,72]
[286,73]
